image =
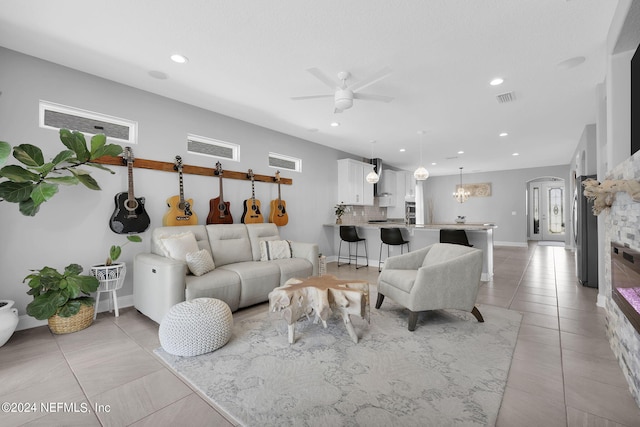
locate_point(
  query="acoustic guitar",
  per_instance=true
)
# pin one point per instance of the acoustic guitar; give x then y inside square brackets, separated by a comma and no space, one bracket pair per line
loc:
[278,213]
[129,215]
[219,212]
[180,212]
[252,214]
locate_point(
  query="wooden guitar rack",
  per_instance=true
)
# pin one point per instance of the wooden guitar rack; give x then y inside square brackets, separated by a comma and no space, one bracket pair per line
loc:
[193,170]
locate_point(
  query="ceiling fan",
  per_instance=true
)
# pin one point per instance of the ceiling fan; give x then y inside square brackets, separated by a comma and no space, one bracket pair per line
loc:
[345,94]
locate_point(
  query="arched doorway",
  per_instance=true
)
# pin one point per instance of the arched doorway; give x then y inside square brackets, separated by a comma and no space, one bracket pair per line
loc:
[546,209]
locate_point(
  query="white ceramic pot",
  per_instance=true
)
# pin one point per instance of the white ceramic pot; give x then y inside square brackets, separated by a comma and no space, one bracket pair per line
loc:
[8,320]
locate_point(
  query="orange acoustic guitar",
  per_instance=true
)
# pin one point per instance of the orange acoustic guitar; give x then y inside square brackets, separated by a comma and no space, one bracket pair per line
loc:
[278,213]
[219,212]
[252,214]
[180,212]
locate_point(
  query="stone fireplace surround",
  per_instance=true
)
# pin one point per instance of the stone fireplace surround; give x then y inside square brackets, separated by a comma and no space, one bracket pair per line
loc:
[622,225]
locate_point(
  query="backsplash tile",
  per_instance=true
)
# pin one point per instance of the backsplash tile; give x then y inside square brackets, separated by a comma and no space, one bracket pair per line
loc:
[623,226]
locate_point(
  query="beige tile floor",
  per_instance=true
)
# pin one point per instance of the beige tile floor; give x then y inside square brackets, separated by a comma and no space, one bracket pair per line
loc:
[563,371]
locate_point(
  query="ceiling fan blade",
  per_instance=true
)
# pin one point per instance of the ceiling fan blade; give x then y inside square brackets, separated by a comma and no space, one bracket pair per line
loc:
[371,80]
[301,98]
[323,78]
[370,97]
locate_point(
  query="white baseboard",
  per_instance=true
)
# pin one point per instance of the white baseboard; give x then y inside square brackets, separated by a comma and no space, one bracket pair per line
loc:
[515,244]
[27,322]
[601,301]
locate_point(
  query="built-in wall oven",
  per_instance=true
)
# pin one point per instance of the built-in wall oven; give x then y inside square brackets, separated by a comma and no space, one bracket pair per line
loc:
[410,212]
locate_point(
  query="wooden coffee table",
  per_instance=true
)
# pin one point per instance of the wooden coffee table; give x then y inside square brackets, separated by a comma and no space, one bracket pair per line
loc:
[317,297]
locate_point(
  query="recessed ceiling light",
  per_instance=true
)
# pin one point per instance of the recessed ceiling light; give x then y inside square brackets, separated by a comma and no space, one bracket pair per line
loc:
[515,154]
[504,134]
[497,81]
[433,163]
[180,59]
[334,124]
[402,150]
[460,152]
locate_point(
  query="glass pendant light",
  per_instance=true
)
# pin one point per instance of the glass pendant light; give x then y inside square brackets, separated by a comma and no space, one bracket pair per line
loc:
[372,177]
[421,174]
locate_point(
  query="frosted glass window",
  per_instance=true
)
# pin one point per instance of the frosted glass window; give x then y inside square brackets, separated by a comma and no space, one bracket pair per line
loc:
[556,211]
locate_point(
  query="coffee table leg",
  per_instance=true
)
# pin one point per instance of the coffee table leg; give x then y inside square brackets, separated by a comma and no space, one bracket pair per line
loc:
[349,326]
[292,333]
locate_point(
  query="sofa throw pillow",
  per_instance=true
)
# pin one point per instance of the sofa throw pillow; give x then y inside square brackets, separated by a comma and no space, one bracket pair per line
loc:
[177,246]
[275,249]
[200,262]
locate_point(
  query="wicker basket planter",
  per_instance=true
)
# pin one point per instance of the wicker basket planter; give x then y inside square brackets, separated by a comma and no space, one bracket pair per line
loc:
[66,325]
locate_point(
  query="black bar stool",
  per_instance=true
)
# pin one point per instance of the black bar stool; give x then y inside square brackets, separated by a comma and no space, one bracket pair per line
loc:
[458,237]
[348,233]
[391,236]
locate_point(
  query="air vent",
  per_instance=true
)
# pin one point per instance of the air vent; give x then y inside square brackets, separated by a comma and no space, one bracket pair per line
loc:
[280,161]
[213,148]
[505,97]
[56,116]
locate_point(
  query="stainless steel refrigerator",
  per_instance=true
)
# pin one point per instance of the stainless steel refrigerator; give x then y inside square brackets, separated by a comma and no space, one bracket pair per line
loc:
[585,236]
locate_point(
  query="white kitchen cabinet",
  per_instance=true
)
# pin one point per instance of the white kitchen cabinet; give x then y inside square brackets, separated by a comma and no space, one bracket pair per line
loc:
[353,189]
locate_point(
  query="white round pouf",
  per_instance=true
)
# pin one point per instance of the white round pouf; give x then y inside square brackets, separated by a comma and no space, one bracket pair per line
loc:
[196,327]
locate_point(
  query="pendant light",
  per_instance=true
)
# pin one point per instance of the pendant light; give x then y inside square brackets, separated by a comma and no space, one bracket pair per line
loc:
[421,174]
[461,195]
[372,177]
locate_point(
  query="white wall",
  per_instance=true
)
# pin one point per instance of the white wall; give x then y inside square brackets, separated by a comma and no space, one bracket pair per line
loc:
[73,226]
[585,155]
[507,196]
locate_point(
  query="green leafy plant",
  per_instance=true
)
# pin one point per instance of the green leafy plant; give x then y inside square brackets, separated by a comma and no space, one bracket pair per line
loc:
[115,251]
[36,181]
[59,293]
[340,209]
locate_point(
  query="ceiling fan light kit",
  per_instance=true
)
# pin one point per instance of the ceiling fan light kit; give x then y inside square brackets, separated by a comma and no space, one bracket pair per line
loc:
[344,94]
[343,99]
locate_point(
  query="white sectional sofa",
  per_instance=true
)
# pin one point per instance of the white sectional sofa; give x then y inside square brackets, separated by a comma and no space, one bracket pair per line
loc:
[239,278]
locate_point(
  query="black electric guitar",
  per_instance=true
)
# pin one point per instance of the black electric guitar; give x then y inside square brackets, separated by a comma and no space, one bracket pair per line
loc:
[179,212]
[129,216]
[278,213]
[219,212]
[252,212]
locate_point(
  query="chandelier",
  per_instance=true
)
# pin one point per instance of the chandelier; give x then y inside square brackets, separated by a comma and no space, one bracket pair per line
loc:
[421,173]
[461,195]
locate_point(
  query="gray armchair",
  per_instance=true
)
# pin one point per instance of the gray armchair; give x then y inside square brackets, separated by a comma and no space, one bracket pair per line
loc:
[440,276]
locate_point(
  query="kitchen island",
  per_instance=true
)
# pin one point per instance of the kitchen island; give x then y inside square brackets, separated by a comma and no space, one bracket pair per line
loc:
[480,235]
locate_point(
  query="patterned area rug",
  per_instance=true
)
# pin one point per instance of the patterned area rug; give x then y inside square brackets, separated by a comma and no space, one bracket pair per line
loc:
[450,371]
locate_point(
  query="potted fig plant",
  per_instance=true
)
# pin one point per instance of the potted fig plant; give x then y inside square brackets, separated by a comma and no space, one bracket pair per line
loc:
[111,274]
[35,181]
[62,298]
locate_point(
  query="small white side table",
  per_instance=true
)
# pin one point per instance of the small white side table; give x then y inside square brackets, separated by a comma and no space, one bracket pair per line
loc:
[111,278]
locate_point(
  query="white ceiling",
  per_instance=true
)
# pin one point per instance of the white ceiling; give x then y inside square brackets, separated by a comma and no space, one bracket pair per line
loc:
[248,58]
